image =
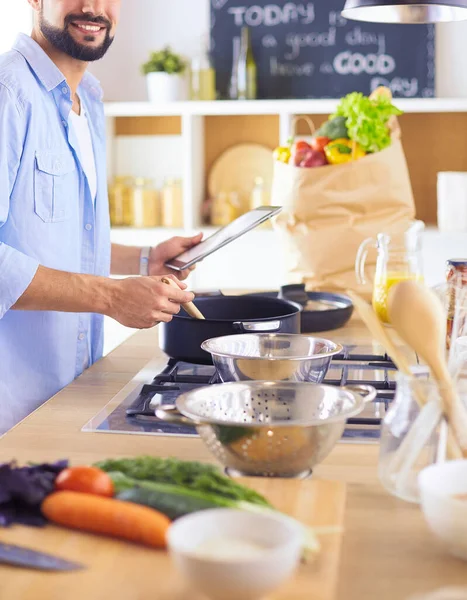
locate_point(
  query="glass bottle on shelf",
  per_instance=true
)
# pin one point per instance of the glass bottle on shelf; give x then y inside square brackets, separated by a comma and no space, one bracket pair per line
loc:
[172,203]
[233,86]
[203,75]
[260,197]
[144,204]
[247,70]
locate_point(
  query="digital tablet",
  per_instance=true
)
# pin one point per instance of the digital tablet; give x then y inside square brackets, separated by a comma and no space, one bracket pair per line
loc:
[224,236]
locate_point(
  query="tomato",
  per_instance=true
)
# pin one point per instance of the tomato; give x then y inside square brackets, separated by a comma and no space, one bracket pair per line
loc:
[319,143]
[300,147]
[299,151]
[88,480]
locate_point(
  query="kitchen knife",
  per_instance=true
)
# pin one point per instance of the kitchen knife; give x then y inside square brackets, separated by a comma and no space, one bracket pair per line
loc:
[25,557]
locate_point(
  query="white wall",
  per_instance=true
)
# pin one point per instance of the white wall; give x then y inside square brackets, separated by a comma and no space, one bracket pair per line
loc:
[16,17]
[149,24]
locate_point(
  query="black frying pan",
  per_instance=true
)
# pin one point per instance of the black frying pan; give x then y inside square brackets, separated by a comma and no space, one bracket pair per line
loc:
[313,321]
[226,315]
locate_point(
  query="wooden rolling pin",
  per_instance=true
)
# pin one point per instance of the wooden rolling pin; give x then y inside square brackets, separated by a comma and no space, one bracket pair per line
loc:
[189,307]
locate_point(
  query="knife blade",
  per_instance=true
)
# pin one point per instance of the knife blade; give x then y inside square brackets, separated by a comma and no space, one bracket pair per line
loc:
[19,556]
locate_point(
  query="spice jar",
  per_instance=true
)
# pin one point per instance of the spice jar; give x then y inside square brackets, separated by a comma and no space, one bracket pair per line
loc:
[144,204]
[172,203]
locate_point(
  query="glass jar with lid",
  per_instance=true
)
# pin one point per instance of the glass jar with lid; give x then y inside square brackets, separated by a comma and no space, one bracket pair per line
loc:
[225,208]
[144,203]
[172,203]
[119,201]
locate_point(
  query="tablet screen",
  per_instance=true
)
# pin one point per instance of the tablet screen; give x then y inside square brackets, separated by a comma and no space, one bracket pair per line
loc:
[224,236]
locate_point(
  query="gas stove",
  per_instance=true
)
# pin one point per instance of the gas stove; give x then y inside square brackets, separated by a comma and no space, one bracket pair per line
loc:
[132,411]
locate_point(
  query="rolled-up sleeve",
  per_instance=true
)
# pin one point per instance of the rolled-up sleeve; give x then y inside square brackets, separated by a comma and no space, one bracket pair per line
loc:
[16,269]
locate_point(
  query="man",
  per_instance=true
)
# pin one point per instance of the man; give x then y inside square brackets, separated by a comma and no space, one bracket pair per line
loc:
[55,251]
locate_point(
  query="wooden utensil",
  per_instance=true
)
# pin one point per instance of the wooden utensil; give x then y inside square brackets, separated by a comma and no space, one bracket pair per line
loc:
[417,315]
[377,330]
[190,308]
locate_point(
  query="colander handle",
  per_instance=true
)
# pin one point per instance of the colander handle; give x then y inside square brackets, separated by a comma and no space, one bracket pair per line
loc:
[170,414]
[367,391]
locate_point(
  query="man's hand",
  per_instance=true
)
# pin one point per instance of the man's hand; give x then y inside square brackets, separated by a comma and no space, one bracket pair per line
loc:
[142,302]
[170,249]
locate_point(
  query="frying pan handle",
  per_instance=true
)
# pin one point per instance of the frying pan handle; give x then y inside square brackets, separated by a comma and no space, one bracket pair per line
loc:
[257,327]
[367,391]
[170,414]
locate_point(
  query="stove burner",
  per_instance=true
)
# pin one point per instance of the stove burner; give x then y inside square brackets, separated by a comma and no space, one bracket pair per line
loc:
[350,367]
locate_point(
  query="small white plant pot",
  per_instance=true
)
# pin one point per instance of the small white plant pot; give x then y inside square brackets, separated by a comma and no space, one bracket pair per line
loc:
[165,87]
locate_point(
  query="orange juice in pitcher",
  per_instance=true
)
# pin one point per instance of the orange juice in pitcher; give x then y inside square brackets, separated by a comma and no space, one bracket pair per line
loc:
[398,259]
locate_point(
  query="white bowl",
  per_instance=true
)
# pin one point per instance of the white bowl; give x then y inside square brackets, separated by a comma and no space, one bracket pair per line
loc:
[239,577]
[446,515]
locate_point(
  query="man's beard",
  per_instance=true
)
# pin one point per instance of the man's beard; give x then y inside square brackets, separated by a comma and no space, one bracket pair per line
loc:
[64,41]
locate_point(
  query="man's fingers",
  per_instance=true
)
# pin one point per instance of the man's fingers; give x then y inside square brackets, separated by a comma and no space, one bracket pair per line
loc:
[176,280]
[177,295]
[193,241]
[171,308]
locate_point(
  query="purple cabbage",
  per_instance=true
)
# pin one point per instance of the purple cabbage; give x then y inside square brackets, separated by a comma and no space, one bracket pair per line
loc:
[22,490]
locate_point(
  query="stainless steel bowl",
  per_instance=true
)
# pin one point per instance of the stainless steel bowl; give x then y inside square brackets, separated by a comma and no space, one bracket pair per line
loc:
[269,428]
[271,356]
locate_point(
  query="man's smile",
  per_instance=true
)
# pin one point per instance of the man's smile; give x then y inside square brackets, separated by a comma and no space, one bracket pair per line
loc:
[88,28]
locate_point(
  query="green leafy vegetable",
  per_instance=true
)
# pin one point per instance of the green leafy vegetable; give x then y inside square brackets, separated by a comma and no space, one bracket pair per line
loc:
[174,501]
[367,120]
[333,129]
[172,485]
[195,475]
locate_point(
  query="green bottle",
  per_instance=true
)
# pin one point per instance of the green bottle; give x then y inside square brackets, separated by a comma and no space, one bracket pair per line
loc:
[247,70]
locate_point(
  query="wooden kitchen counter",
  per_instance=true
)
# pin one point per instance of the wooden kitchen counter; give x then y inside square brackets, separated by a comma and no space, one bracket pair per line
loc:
[387,552]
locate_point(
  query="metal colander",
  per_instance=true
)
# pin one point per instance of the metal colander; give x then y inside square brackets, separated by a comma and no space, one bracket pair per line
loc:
[269,428]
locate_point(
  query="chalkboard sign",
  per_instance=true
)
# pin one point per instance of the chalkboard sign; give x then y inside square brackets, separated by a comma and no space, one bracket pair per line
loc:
[308,50]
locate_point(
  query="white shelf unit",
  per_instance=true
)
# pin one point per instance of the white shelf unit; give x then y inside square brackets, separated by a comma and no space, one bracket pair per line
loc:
[259,250]
[269,107]
[193,136]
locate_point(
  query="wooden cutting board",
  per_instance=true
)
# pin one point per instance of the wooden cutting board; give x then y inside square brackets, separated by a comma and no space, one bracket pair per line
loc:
[122,571]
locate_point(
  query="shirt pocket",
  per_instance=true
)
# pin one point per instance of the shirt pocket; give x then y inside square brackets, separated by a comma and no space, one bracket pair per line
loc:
[53,182]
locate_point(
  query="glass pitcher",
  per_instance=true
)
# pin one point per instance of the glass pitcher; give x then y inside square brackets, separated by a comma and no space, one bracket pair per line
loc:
[399,259]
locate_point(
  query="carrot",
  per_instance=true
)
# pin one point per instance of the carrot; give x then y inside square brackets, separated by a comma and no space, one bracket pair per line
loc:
[107,516]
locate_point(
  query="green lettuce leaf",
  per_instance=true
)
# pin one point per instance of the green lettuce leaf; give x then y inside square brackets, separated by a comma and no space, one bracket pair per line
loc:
[367,120]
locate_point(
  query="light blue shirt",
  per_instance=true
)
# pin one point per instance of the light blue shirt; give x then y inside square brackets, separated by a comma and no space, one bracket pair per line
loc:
[47,217]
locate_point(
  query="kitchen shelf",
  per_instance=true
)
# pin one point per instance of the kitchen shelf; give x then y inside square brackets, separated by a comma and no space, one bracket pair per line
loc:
[270,107]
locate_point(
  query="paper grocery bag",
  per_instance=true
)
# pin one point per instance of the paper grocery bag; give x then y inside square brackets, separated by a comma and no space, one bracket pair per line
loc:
[329,211]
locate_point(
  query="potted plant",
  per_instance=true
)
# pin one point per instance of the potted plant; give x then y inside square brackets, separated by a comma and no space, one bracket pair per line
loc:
[165,76]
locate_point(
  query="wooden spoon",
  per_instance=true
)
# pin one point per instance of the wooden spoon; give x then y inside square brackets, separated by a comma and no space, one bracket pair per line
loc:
[417,315]
[380,334]
[190,308]
[377,330]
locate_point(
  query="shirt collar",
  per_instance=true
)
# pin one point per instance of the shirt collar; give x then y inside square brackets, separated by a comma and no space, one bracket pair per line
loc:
[91,84]
[46,70]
